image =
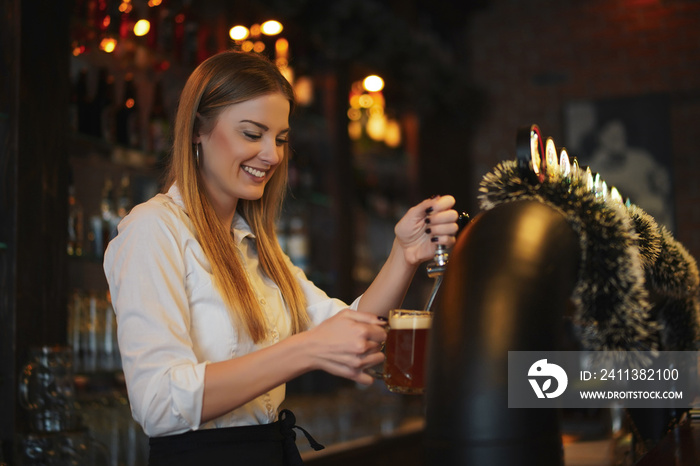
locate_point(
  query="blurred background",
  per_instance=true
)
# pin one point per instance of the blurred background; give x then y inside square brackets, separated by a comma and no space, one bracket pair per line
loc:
[89,89]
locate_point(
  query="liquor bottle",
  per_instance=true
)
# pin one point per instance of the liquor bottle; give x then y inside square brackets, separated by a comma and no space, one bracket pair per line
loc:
[100,104]
[298,243]
[102,225]
[158,125]
[123,201]
[73,106]
[75,223]
[128,126]
[107,111]
[82,103]
[165,30]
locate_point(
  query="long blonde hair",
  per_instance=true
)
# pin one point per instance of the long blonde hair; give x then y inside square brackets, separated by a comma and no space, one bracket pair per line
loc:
[220,81]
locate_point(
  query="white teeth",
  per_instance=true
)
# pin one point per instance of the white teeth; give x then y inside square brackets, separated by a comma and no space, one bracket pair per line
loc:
[254,172]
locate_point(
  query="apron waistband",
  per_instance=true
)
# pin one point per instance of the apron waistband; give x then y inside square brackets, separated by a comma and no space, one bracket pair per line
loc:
[243,437]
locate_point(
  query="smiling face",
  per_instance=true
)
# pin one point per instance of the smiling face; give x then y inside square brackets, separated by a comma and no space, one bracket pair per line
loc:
[240,154]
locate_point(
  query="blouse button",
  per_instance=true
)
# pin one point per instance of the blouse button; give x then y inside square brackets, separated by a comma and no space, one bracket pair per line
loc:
[262,301]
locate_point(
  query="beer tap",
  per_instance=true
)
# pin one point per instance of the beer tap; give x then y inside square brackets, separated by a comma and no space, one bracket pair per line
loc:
[436,268]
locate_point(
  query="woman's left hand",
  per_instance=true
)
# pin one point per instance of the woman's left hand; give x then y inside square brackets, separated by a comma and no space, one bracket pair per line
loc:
[426,225]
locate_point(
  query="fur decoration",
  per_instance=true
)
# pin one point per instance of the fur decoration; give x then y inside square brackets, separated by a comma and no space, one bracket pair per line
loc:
[612,308]
[673,282]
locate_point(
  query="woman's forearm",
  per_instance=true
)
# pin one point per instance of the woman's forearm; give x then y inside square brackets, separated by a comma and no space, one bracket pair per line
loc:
[232,383]
[343,345]
[389,288]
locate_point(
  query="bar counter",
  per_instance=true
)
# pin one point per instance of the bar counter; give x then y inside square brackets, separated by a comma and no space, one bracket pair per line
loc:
[404,445]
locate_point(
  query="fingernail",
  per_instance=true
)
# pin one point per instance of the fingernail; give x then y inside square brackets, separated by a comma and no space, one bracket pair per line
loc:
[427,231]
[434,239]
[428,210]
[427,220]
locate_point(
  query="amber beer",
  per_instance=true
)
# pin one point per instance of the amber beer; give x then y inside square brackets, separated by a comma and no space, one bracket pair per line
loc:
[406,351]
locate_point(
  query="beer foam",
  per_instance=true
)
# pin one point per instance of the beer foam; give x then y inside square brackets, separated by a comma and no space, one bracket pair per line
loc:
[410,322]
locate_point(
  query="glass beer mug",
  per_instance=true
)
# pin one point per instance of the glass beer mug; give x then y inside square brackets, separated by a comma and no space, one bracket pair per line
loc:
[47,389]
[406,351]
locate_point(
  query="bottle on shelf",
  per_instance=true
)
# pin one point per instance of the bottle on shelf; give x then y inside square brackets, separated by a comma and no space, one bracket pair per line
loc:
[108,212]
[107,109]
[158,125]
[124,200]
[103,225]
[82,103]
[298,243]
[128,125]
[75,223]
[100,104]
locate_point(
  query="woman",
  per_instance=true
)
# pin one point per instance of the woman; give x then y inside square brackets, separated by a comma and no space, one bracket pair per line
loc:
[213,318]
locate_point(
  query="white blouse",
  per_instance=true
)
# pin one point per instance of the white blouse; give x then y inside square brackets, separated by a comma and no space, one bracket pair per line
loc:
[172,321]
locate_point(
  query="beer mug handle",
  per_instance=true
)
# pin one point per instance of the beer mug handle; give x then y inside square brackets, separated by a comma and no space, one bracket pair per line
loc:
[378,371]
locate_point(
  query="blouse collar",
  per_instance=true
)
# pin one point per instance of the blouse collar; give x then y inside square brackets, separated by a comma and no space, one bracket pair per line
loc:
[239,226]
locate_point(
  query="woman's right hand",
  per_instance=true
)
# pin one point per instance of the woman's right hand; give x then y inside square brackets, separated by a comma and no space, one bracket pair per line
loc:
[347,344]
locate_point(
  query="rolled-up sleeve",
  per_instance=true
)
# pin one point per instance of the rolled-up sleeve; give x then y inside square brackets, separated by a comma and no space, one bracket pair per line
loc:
[145,270]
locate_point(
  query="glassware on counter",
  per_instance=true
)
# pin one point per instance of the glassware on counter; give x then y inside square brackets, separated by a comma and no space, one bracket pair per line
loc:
[92,333]
[47,389]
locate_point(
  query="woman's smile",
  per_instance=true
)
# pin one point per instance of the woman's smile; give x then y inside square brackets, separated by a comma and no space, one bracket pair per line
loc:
[259,174]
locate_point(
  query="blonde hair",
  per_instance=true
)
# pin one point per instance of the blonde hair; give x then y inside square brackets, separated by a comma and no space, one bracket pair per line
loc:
[220,81]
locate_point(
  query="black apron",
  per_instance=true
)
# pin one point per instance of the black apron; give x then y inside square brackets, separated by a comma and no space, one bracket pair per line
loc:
[263,445]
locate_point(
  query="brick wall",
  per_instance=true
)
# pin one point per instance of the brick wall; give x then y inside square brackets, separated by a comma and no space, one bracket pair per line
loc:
[531,58]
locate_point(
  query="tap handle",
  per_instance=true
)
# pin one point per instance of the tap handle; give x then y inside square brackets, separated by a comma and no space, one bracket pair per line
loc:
[462,221]
[441,255]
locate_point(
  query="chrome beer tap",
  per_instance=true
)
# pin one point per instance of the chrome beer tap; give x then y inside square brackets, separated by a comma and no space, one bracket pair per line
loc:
[436,268]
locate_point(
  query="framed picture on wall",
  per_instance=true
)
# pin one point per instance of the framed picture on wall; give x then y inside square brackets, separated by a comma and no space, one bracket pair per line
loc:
[628,142]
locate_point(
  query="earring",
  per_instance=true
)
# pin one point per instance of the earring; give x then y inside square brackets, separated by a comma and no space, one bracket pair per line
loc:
[196,154]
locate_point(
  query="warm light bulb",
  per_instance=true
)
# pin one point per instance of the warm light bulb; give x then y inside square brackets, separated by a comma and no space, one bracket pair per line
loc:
[281,47]
[238,33]
[258,46]
[108,45]
[355,130]
[615,195]
[535,152]
[392,136]
[271,27]
[354,114]
[588,179]
[142,27]
[366,101]
[376,127]
[564,165]
[304,90]
[373,83]
[551,157]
